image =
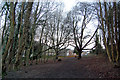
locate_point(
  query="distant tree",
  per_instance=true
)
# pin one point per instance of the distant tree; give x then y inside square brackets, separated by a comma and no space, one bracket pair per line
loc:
[59,34]
[82,12]
[98,47]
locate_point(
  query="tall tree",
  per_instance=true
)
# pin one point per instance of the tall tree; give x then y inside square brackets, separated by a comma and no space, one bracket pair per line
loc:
[110,21]
[83,13]
[102,24]
[10,40]
[116,30]
[25,33]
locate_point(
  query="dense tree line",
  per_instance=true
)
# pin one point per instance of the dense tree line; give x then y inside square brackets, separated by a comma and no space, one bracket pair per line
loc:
[108,16]
[22,22]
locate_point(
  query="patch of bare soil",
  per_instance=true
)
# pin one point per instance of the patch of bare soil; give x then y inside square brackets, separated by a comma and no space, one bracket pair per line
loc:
[87,67]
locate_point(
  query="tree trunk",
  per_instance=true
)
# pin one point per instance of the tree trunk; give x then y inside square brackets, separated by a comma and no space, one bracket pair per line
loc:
[119,27]
[104,38]
[108,26]
[4,28]
[56,55]
[115,16]
[20,45]
[10,40]
[80,52]
[25,33]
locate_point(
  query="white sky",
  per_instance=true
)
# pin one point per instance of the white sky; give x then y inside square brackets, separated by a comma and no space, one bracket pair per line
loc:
[69,4]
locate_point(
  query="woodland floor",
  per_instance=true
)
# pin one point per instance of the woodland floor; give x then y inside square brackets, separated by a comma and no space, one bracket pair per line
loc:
[70,67]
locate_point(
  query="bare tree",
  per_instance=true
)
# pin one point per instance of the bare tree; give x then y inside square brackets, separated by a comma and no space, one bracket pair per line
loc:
[82,12]
[25,34]
[10,40]
[60,33]
[108,21]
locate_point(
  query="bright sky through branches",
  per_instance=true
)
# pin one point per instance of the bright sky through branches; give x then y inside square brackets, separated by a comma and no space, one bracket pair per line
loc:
[68,5]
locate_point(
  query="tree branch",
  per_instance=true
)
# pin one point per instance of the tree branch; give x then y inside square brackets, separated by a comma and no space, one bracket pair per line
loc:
[90,38]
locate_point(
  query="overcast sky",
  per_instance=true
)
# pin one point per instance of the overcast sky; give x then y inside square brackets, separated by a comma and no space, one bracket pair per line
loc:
[70,3]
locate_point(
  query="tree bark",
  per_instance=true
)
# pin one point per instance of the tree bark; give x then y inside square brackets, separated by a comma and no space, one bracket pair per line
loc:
[24,35]
[116,37]
[108,53]
[10,40]
[80,52]
[108,26]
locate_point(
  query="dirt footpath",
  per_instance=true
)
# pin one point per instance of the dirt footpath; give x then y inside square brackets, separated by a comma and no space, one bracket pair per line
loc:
[87,67]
